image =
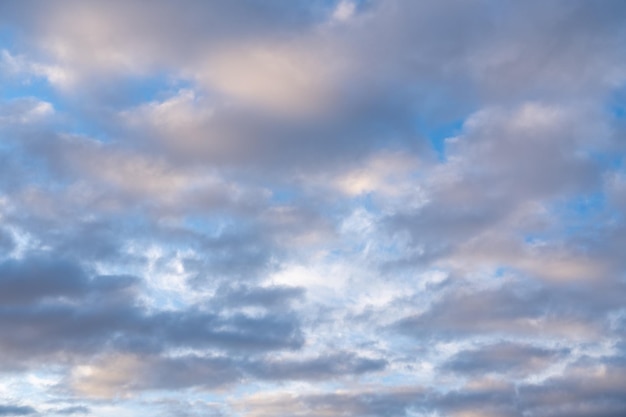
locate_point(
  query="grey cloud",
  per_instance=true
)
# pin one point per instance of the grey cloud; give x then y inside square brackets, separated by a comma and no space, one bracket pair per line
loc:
[21,112]
[449,45]
[7,242]
[592,389]
[239,332]
[515,308]
[581,390]
[94,224]
[89,240]
[200,27]
[268,141]
[497,400]
[367,404]
[51,308]
[185,372]
[320,368]
[471,312]
[272,146]
[36,278]
[93,215]
[269,297]
[504,358]
[205,111]
[61,224]
[186,408]
[503,166]
[238,253]
[194,19]
[116,374]
[74,410]
[50,330]
[16,410]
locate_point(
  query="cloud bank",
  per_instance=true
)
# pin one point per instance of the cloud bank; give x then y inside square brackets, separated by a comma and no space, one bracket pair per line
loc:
[313,208]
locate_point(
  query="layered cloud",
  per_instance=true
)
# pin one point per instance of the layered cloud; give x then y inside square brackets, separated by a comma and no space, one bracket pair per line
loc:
[312,208]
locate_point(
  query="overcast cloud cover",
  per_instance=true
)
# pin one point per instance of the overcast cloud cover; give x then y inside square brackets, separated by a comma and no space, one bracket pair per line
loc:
[313,208]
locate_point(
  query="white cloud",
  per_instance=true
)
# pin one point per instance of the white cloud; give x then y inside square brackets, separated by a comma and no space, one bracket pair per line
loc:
[344,11]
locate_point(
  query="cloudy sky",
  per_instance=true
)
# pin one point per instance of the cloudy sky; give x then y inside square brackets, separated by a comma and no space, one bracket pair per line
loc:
[313,208]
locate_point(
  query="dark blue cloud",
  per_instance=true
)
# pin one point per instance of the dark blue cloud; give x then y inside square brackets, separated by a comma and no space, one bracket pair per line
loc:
[16,410]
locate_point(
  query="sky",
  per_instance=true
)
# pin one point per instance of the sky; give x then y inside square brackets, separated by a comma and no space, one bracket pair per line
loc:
[313,208]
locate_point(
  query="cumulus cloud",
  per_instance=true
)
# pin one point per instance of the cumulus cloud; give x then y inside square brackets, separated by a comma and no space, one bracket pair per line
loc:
[312,208]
